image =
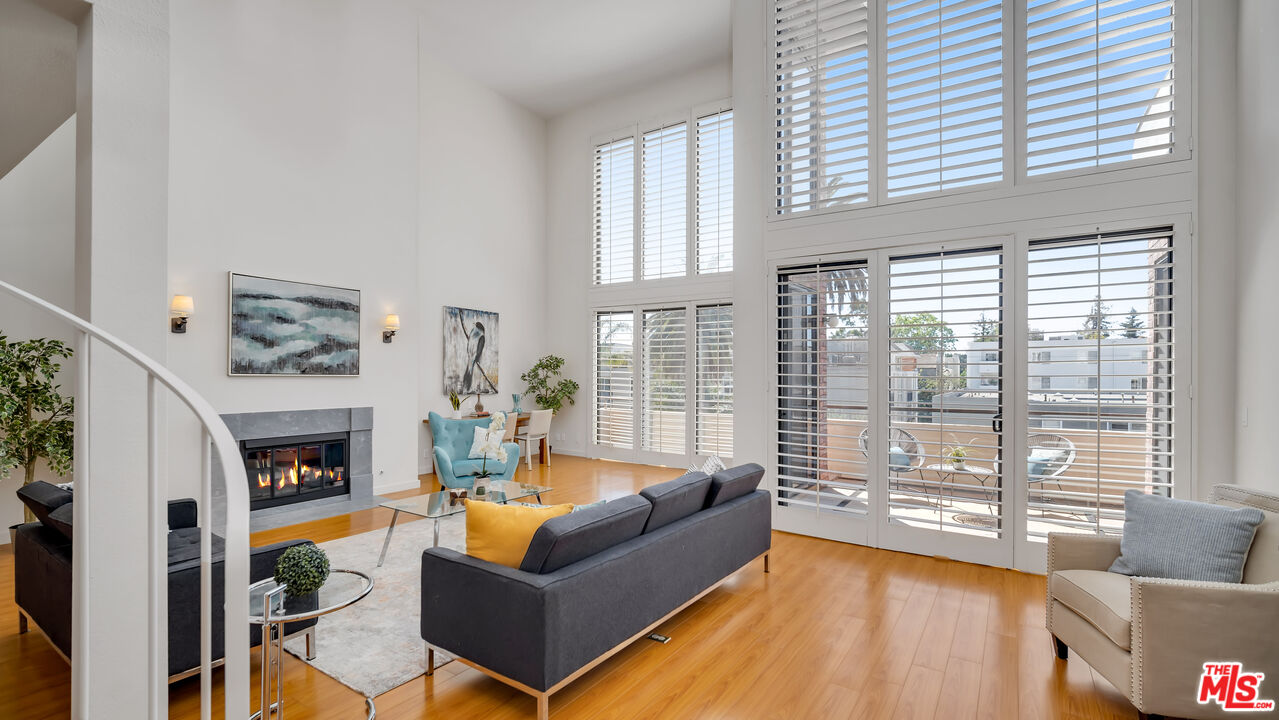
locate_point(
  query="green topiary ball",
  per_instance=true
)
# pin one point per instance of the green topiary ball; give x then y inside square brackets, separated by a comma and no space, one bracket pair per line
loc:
[303,568]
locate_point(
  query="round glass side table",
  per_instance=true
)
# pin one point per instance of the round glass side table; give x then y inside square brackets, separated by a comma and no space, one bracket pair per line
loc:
[271,607]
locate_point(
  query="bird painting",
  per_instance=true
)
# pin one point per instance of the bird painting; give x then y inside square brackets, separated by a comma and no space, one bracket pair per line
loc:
[470,351]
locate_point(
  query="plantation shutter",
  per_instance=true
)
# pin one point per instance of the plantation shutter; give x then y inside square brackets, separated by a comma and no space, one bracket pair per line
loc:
[1099,82]
[664,202]
[821,98]
[714,435]
[823,381]
[1100,368]
[944,94]
[664,361]
[614,216]
[615,379]
[714,185]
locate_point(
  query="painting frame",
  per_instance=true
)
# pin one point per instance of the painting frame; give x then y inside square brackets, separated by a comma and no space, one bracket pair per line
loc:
[470,361]
[352,340]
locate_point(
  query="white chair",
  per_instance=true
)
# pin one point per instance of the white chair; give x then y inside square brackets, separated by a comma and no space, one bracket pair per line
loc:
[538,428]
[508,431]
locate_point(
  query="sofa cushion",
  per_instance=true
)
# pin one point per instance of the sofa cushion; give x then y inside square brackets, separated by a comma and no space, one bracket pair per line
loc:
[60,519]
[184,546]
[676,499]
[1184,540]
[733,483]
[1101,598]
[563,541]
[42,498]
[501,533]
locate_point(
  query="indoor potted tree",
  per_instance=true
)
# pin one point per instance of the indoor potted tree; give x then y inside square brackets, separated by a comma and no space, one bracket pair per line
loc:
[548,389]
[35,417]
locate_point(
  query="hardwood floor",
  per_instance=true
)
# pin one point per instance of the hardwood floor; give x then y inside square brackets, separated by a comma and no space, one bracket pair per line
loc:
[834,631]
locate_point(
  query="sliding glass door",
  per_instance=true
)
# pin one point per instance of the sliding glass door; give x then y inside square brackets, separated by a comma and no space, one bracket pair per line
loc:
[941,420]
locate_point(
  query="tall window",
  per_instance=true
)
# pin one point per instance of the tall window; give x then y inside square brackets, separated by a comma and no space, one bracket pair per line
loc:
[714,212]
[822,104]
[664,202]
[671,235]
[714,390]
[1099,82]
[682,361]
[875,102]
[944,93]
[1103,305]
[614,200]
[665,398]
[614,424]
[823,387]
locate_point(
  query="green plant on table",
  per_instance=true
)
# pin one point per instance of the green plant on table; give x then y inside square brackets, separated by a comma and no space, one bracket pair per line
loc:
[302,569]
[455,401]
[548,389]
[36,419]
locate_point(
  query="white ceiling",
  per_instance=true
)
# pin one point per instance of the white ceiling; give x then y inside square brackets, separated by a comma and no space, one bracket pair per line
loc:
[554,55]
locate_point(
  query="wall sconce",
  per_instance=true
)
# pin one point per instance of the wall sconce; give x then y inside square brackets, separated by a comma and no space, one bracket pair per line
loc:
[392,326]
[181,308]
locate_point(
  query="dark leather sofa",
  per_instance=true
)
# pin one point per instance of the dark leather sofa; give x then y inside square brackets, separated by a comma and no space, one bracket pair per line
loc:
[595,580]
[42,577]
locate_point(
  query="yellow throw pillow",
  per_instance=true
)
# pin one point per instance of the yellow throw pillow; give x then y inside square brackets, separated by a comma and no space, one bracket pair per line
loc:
[501,533]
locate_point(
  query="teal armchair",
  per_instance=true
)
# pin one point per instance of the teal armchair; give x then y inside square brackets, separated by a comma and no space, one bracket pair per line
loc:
[452,439]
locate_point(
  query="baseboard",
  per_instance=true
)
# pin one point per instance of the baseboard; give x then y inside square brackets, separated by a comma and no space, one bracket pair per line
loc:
[413,484]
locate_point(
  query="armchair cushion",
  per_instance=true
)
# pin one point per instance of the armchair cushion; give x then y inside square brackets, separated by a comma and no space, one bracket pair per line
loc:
[1102,598]
[1184,540]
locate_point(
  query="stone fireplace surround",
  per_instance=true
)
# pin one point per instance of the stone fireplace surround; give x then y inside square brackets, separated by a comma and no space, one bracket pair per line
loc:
[357,421]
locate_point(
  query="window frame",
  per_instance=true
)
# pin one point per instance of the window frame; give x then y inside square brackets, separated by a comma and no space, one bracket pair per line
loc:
[636,131]
[1016,181]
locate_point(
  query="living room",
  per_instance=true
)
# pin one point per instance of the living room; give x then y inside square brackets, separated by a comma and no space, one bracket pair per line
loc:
[898,276]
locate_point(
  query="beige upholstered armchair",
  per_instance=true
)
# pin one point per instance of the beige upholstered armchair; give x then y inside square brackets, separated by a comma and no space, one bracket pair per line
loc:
[1150,637]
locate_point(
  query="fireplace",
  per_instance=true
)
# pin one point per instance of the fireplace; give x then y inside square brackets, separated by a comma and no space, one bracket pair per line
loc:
[296,469]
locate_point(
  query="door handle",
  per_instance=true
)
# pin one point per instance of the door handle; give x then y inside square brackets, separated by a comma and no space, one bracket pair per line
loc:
[997,423]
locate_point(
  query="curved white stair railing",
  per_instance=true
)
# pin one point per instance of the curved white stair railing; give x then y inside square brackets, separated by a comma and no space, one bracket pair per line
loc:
[217,440]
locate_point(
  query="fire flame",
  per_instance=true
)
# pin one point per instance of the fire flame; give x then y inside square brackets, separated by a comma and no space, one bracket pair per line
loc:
[264,480]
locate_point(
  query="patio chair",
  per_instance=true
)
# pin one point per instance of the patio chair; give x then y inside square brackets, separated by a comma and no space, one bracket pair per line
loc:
[1048,458]
[904,452]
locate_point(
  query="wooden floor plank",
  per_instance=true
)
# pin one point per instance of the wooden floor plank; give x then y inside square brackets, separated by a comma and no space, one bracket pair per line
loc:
[834,631]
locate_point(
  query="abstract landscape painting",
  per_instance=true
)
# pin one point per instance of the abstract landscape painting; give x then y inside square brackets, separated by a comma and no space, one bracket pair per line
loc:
[290,328]
[470,351]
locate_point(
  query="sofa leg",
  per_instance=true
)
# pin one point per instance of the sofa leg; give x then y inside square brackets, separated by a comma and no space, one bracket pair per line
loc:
[430,661]
[22,622]
[310,643]
[1063,652]
[543,706]
[765,562]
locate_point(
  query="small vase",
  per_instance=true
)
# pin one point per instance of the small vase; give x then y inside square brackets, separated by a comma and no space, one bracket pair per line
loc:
[515,403]
[957,464]
[457,414]
[479,405]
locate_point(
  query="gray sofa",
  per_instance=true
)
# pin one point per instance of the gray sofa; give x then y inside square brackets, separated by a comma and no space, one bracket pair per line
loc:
[593,581]
[42,577]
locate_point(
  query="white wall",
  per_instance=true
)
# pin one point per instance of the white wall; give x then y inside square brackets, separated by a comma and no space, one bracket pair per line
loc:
[1258,253]
[37,247]
[483,231]
[295,155]
[569,221]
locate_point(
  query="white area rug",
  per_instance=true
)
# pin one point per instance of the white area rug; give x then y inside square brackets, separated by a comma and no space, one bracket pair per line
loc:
[376,644]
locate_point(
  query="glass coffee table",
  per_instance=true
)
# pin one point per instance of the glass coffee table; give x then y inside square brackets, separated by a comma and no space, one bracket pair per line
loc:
[271,607]
[439,505]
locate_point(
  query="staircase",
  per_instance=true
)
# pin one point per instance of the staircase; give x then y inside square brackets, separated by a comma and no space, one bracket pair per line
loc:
[216,440]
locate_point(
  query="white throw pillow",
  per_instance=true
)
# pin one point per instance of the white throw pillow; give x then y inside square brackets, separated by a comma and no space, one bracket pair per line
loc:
[712,465]
[481,437]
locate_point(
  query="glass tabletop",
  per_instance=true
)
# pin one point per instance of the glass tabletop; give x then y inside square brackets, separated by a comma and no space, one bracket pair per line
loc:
[449,502]
[342,588]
